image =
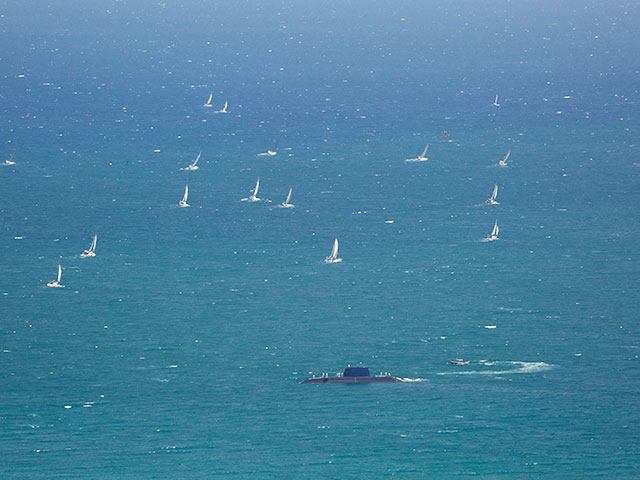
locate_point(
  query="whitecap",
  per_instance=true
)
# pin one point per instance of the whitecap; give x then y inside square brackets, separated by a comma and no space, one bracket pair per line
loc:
[517,367]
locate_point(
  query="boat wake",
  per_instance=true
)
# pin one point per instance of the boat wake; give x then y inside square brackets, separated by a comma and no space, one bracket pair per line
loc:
[413,379]
[504,368]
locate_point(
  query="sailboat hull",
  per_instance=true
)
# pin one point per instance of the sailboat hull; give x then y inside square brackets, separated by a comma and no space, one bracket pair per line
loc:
[332,260]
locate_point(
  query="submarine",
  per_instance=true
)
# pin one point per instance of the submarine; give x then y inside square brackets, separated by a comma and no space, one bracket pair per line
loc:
[354,375]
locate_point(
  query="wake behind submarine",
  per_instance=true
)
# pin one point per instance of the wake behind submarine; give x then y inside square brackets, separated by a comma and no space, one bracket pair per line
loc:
[354,375]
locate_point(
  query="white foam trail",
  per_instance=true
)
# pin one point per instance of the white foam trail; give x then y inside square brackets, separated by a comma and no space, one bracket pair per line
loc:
[518,367]
[412,379]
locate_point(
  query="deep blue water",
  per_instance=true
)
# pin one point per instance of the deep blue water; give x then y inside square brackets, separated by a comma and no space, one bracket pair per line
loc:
[177,351]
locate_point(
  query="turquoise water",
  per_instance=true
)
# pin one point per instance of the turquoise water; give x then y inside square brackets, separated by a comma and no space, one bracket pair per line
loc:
[177,351]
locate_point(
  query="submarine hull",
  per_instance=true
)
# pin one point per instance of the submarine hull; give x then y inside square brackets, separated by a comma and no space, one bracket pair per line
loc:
[370,379]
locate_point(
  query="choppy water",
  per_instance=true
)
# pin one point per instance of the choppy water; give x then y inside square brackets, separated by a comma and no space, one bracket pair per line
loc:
[178,350]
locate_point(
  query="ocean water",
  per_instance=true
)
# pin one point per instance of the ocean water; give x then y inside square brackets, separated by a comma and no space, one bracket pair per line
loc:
[178,351]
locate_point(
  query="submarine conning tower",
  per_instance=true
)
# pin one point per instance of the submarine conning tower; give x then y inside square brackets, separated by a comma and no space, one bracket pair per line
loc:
[356,372]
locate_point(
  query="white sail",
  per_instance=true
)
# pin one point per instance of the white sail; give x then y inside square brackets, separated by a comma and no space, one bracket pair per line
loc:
[255,190]
[333,258]
[503,162]
[56,283]
[208,103]
[183,202]
[495,102]
[425,151]
[286,203]
[496,230]
[196,160]
[92,249]
[492,199]
[334,250]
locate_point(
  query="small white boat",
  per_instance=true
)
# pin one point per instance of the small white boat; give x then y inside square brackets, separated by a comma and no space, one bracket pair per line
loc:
[420,158]
[56,283]
[254,196]
[459,362]
[8,162]
[495,102]
[223,109]
[270,153]
[286,203]
[208,102]
[494,233]
[492,199]
[92,249]
[183,202]
[333,258]
[503,162]
[194,165]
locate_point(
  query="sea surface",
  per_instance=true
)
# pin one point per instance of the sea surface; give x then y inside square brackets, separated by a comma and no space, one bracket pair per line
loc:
[178,351]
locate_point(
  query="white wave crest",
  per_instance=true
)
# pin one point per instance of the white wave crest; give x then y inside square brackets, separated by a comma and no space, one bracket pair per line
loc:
[515,367]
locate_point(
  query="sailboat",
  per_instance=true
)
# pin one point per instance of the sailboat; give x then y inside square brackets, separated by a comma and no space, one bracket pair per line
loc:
[194,165]
[286,203]
[183,202]
[492,199]
[9,161]
[223,109]
[208,102]
[92,249]
[420,158]
[254,196]
[56,283]
[503,162]
[494,233]
[271,153]
[333,258]
[495,102]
